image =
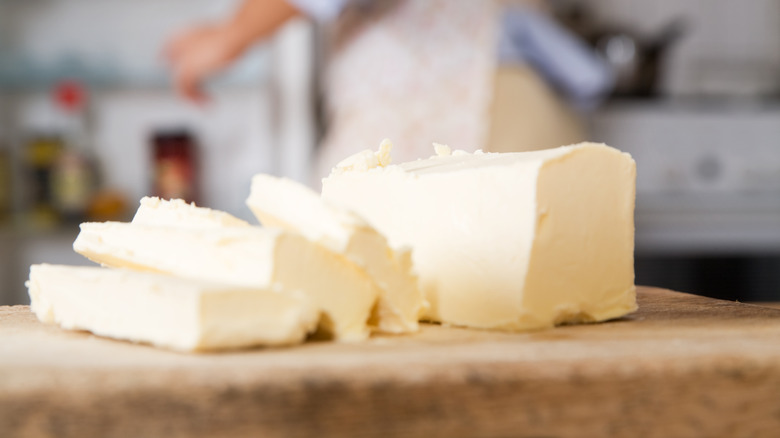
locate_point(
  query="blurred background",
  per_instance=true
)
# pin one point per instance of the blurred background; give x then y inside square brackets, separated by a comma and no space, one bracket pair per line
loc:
[89,123]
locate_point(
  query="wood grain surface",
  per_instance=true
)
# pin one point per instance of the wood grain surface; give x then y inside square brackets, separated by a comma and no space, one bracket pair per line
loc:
[682,365]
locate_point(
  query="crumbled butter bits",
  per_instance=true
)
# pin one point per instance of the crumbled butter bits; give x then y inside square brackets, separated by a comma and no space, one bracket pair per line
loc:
[176,212]
[361,161]
[366,159]
[383,155]
[442,150]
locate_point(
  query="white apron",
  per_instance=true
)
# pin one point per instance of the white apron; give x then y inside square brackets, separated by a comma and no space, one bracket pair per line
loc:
[419,72]
[415,72]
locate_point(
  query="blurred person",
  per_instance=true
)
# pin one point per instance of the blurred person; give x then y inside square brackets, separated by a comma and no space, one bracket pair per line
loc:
[496,75]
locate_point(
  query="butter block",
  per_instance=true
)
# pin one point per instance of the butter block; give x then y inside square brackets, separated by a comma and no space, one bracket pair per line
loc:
[278,202]
[168,312]
[512,241]
[251,257]
[176,212]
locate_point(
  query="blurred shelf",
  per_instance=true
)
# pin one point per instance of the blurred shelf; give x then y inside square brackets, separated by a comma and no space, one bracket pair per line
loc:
[696,104]
[18,73]
[15,85]
[26,233]
[670,235]
[709,224]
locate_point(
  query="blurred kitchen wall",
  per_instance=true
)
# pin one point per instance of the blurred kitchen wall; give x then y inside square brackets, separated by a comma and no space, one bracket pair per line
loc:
[259,120]
[705,135]
[706,138]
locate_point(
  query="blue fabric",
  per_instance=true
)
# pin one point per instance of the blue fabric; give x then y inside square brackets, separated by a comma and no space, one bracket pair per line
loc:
[565,61]
[320,10]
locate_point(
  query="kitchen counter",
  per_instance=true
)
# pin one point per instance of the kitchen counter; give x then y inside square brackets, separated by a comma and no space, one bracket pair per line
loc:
[683,365]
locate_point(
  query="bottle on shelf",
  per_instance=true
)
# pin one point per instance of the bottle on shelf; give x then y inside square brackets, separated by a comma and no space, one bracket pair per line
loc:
[39,157]
[74,176]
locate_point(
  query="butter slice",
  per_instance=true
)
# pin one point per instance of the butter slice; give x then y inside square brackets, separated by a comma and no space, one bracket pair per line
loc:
[168,312]
[176,212]
[287,204]
[253,257]
[511,241]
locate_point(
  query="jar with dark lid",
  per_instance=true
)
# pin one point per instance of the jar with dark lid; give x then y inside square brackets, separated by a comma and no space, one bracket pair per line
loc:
[174,152]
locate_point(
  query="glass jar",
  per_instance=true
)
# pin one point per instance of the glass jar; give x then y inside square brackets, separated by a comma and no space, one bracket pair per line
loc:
[175,159]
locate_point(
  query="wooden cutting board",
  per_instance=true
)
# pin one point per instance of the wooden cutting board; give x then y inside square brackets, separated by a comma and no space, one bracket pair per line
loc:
[682,365]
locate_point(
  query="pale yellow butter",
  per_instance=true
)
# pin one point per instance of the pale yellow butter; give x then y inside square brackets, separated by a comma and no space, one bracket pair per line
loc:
[508,241]
[284,203]
[175,313]
[252,257]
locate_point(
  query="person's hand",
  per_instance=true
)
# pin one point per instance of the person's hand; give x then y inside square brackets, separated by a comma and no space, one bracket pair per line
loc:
[198,53]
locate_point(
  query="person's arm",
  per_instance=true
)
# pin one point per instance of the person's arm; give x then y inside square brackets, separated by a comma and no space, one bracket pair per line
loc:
[202,51]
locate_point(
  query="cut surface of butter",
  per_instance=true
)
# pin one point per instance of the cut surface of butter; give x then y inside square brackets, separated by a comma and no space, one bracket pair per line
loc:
[509,241]
[251,257]
[279,202]
[176,212]
[169,312]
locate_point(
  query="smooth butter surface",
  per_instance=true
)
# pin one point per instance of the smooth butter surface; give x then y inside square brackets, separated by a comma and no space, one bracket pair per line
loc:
[510,241]
[251,257]
[169,312]
[284,203]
